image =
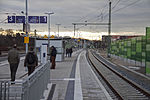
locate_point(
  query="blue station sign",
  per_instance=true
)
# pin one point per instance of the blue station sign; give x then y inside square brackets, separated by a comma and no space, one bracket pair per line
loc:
[11,19]
[20,19]
[43,19]
[33,19]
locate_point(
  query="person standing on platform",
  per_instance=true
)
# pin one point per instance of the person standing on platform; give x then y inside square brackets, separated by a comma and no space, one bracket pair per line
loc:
[13,59]
[70,52]
[53,57]
[31,61]
[67,52]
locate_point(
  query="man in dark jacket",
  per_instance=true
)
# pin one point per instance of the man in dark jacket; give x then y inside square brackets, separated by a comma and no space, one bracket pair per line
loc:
[70,52]
[13,59]
[31,61]
[53,56]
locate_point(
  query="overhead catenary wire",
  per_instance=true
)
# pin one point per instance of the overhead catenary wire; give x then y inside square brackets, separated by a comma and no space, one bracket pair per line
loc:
[103,16]
[126,6]
[100,15]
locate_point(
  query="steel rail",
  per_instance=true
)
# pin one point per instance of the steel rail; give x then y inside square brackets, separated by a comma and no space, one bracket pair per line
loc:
[133,84]
[105,80]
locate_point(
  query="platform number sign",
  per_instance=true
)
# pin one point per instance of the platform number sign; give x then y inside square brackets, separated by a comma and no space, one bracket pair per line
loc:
[11,19]
[43,19]
[31,19]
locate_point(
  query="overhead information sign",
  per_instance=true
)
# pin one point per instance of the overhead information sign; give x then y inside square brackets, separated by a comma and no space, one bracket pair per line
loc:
[33,19]
[11,19]
[43,19]
[20,19]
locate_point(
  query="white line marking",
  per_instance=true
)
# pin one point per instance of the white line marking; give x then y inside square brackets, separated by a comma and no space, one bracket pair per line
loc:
[69,79]
[100,84]
[78,89]
[64,79]
[6,61]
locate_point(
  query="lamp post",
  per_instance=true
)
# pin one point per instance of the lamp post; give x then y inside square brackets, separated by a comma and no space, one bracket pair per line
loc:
[49,13]
[58,28]
[26,23]
[35,40]
[109,30]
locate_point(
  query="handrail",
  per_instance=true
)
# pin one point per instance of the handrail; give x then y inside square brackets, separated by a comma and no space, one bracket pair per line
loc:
[30,88]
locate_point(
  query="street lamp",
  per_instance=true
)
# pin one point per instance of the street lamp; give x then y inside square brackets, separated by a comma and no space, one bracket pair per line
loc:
[58,28]
[49,13]
[26,23]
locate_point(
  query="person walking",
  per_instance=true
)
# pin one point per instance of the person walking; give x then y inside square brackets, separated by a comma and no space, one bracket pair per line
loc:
[53,57]
[31,61]
[13,59]
[70,52]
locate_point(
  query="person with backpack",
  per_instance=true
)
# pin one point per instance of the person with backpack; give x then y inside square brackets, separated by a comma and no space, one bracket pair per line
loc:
[31,61]
[53,56]
[13,59]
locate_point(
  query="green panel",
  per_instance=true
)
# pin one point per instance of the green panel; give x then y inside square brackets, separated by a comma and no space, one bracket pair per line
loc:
[128,52]
[138,47]
[148,32]
[129,43]
[147,60]
[148,56]
[138,57]
[148,67]
[148,47]
[133,48]
[143,55]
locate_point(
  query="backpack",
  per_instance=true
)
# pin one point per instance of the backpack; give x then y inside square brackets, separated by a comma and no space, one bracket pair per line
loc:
[30,58]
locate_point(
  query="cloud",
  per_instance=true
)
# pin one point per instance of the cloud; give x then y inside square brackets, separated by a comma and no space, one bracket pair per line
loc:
[133,18]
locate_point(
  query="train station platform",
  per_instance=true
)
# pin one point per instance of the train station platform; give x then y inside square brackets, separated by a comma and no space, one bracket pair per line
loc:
[73,79]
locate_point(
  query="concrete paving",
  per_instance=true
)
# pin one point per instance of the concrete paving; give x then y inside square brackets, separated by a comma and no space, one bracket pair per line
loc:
[83,85]
[5,70]
[92,88]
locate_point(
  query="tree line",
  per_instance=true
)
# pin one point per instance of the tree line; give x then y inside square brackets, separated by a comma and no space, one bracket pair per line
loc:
[7,41]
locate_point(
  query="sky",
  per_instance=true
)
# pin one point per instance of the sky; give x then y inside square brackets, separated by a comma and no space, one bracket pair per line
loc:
[129,17]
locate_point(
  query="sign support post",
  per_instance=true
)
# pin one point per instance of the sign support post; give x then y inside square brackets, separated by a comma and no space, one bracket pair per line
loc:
[26,23]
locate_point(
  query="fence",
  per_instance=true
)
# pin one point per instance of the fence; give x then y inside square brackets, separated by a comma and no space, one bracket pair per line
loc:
[31,88]
[136,49]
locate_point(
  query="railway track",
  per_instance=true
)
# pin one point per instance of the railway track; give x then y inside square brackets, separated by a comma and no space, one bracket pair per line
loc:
[123,88]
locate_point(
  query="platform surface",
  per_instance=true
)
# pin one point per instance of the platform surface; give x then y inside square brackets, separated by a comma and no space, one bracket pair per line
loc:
[75,80]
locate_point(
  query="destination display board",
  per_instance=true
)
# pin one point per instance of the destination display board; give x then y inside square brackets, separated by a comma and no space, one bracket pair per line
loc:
[31,19]
[20,19]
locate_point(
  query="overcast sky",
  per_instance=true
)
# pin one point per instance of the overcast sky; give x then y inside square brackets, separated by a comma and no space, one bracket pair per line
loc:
[128,16]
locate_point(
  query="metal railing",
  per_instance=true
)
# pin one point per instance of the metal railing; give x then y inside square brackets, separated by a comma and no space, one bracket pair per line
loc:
[30,88]
[34,86]
[4,90]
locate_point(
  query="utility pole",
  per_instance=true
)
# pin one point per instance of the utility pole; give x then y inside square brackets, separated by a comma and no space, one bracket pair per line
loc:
[26,22]
[35,40]
[58,28]
[74,29]
[49,13]
[109,30]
